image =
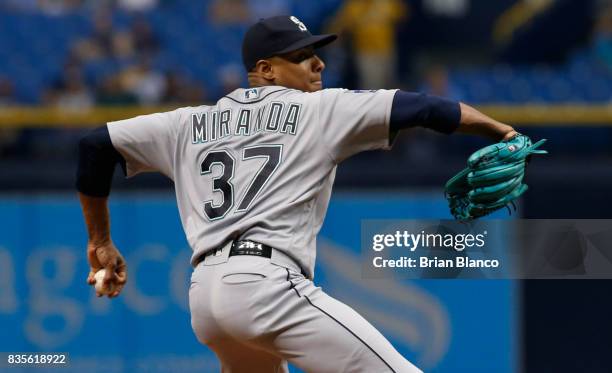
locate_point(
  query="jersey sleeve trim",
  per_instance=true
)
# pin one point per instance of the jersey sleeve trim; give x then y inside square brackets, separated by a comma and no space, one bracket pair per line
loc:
[391,134]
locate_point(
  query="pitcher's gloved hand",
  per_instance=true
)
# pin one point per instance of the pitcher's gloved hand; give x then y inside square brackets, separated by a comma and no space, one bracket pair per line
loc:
[493,178]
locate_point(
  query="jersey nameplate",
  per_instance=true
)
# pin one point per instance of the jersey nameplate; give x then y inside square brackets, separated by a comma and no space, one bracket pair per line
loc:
[273,117]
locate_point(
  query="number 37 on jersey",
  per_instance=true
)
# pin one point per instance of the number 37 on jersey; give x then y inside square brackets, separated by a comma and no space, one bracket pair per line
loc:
[222,184]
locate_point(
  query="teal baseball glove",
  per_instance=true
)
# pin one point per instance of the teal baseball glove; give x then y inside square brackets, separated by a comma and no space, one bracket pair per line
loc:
[493,178]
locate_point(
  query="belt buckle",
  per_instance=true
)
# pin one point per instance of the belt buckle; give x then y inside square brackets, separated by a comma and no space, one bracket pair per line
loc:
[246,247]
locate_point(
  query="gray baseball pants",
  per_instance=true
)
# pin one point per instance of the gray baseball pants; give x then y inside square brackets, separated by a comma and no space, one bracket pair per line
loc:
[258,313]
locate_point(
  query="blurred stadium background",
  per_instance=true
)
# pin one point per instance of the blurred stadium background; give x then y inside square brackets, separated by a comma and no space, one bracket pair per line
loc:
[67,66]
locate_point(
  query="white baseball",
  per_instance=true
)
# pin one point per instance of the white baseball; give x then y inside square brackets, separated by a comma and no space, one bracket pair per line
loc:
[99,277]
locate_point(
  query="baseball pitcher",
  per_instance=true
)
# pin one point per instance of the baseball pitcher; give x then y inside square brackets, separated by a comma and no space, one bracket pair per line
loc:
[253,175]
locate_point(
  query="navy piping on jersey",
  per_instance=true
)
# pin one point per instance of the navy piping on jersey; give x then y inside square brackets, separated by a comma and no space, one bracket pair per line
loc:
[338,322]
[256,101]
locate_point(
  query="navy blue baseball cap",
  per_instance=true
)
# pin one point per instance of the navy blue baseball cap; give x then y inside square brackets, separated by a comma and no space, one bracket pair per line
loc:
[278,35]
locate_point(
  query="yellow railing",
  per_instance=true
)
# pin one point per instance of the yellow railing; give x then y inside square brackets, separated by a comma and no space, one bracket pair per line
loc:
[551,115]
[522,115]
[46,117]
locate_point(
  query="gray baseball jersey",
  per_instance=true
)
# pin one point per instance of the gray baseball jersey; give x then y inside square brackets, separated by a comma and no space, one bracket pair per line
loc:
[257,165]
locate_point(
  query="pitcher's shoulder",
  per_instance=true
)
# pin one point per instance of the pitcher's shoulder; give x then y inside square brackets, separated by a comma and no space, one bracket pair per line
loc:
[188,111]
[313,96]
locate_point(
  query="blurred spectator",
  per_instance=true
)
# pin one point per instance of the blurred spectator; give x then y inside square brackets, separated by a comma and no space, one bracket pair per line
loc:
[100,43]
[120,44]
[144,38]
[75,96]
[446,8]
[137,5]
[110,92]
[20,5]
[267,8]
[55,7]
[372,25]
[602,38]
[58,7]
[181,90]
[7,91]
[228,12]
[141,80]
[70,91]
[436,82]
[98,5]
[123,47]
[516,16]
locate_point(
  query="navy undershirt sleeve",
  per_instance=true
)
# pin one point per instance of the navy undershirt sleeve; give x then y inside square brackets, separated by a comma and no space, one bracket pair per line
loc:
[418,109]
[97,160]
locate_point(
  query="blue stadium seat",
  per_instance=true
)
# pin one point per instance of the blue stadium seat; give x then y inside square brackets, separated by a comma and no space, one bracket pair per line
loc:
[34,47]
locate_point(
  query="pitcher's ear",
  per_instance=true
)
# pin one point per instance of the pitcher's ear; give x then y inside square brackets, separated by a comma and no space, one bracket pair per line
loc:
[264,68]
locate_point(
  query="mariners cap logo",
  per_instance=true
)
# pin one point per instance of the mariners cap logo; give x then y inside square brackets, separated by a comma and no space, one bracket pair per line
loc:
[299,23]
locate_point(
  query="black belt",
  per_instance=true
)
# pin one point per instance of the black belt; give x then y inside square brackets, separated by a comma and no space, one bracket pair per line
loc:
[245,247]
[242,247]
